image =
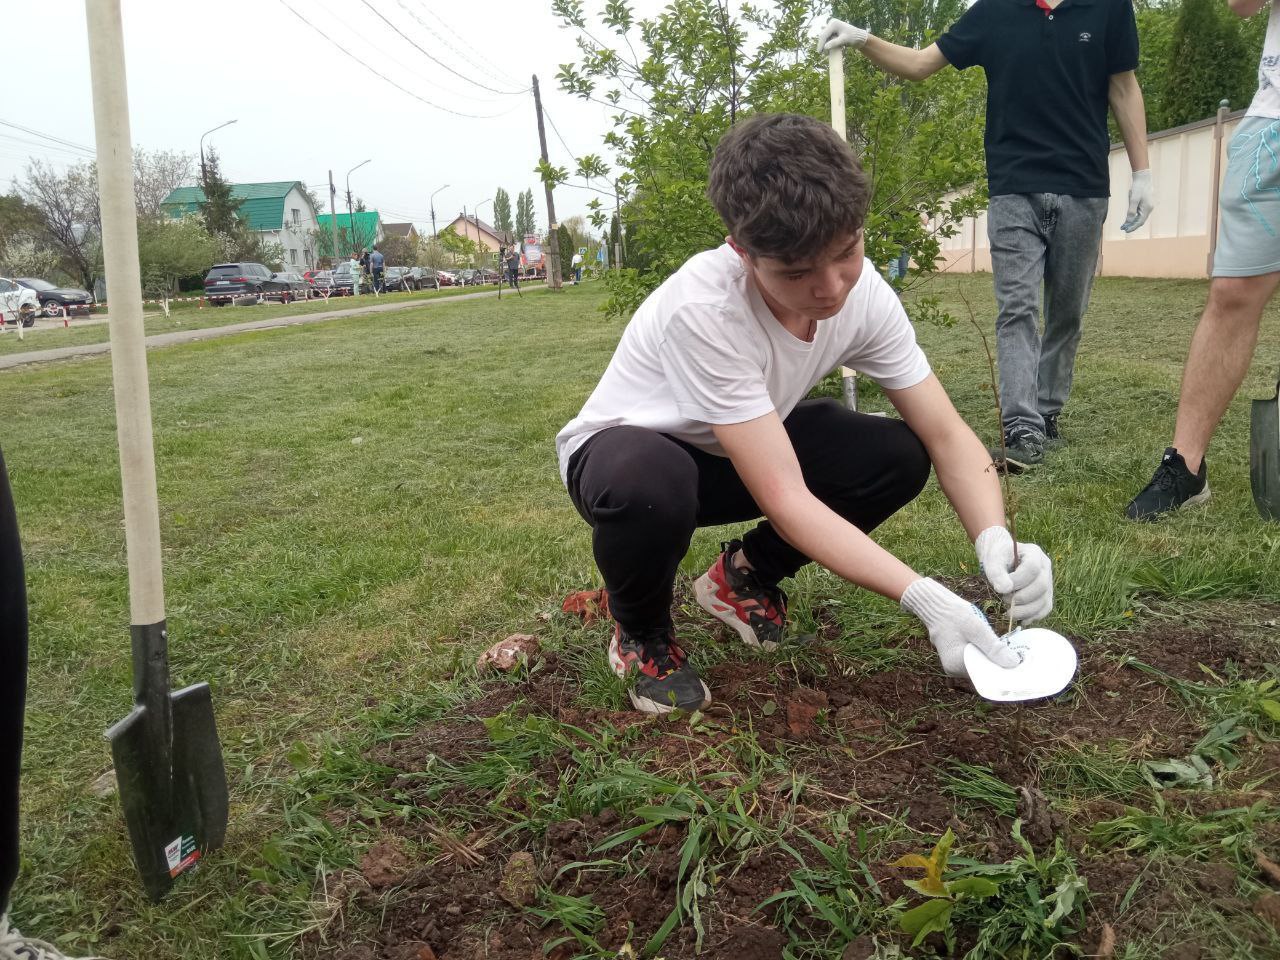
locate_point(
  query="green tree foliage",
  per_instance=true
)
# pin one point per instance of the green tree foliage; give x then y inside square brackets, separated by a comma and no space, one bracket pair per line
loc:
[460,249]
[399,251]
[678,81]
[526,218]
[1208,61]
[432,254]
[221,210]
[169,249]
[25,250]
[567,250]
[1156,20]
[579,231]
[502,221]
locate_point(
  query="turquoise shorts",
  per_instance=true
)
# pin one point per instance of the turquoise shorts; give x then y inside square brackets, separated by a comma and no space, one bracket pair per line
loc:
[1249,208]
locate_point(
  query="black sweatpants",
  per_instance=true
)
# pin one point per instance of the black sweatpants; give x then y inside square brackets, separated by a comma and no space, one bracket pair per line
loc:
[13,682]
[644,493]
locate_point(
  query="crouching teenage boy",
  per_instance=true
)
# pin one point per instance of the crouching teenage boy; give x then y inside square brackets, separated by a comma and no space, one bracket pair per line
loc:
[700,419]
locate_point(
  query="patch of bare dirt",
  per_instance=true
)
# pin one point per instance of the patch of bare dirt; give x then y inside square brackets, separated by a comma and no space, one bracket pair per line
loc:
[875,746]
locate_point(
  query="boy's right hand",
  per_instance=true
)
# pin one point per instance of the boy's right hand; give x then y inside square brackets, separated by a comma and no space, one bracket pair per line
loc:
[953,622]
[837,34]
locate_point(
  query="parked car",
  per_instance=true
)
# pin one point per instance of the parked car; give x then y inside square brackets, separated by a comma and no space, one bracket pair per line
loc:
[322,283]
[18,303]
[54,299]
[226,281]
[430,279]
[343,280]
[446,279]
[402,278]
[287,286]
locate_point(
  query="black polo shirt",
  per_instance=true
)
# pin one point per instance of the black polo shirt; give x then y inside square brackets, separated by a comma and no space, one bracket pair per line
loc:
[1047,78]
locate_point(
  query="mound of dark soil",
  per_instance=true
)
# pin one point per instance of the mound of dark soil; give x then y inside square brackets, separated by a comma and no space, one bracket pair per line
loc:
[875,746]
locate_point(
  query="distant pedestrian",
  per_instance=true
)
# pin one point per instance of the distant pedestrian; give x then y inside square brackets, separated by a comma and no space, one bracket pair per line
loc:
[576,263]
[354,266]
[377,265]
[513,267]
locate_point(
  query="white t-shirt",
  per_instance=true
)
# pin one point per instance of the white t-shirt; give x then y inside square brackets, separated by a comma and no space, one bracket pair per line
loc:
[704,348]
[1266,102]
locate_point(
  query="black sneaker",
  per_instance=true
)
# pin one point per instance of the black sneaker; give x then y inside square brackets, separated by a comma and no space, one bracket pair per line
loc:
[1022,451]
[757,611]
[1172,486]
[1053,438]
[664,679]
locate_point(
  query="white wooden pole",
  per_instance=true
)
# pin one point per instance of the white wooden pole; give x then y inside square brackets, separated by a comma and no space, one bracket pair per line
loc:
[835,75]
[124,293]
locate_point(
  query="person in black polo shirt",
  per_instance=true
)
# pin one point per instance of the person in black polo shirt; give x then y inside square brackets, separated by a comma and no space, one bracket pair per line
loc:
[1053,67]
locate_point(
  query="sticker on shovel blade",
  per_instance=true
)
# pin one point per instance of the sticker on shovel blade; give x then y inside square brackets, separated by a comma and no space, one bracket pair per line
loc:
[181,854]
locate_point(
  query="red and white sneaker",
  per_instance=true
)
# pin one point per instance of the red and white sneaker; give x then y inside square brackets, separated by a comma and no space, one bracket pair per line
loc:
[756,611]
[664,679]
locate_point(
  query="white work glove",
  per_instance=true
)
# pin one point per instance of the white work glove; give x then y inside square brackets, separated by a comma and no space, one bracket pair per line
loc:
[953,622]
[1140,201]
[1027,589]
[837,34]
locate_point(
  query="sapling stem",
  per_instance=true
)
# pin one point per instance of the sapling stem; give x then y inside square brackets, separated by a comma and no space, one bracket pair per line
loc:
[1006,492]
[1010,506]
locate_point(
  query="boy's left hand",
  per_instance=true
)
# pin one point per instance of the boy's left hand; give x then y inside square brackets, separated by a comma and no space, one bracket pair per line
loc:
[1027,589]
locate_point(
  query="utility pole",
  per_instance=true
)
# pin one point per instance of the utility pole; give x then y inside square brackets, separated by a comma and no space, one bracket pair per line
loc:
[333,222]
[351,218]
[553,241]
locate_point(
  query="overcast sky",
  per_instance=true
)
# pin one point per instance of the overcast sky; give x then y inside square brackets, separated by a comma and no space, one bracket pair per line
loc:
[303,107]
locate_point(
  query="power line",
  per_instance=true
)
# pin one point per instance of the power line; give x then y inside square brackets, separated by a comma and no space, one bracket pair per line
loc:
[558,137]
[483,102]
[481,67]
[49,137]
[73,151]
[463,40]
[441,63]
[383,76]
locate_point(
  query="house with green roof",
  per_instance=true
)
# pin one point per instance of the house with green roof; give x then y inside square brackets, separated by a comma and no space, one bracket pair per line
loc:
[357,231]
[280,211]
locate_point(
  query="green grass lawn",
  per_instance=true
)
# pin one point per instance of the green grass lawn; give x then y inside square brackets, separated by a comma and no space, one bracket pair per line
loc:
[346,520]
[49,333]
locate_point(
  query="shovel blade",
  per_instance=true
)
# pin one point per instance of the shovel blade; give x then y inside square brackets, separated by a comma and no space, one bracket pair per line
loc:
[175,815]
[1264,455]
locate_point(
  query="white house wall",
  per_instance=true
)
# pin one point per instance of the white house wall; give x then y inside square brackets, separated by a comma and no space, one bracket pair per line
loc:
[297,239]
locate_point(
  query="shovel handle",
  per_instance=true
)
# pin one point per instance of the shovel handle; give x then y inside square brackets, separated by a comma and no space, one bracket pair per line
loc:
[835,78]
[124,293]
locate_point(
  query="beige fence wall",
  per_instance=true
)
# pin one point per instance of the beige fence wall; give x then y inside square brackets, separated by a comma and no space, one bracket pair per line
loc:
[1174,242]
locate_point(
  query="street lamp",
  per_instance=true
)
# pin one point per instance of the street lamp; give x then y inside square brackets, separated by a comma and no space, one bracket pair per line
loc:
[476,208]
[433,209]
[351,219]
[203,173]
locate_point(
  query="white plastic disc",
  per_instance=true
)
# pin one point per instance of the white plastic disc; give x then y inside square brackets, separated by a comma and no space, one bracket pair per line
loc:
[1048,664]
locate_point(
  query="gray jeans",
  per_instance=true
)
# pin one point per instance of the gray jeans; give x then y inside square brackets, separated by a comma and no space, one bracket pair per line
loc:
[1049,241]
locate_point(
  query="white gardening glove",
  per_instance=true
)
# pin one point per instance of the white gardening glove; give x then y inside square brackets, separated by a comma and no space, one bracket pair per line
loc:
[1027,589]
[1140,201]
[837,34]
[953,622]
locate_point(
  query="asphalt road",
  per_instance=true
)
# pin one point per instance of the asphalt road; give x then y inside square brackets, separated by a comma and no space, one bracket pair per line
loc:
[209,333]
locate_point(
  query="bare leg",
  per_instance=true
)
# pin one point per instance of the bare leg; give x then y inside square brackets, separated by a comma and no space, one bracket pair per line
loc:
[1221,350]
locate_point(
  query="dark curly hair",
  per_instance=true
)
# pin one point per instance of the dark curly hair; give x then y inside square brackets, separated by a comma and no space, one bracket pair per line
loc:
[787,186]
